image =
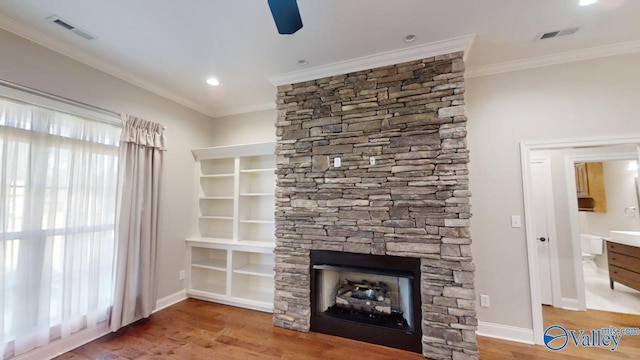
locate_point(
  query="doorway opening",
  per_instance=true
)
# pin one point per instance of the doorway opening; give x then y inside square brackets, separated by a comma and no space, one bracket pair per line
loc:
[562,245]
[610,268]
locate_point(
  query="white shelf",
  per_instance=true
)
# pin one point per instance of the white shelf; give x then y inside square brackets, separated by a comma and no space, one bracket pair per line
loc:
[249,171]
[207,280]
[261,244]
[257,221]
[216,206]
[211,240]
[257,231]
[215,290]
[214,227]
[211,264]
[217,217]
[259,296]
[232,260]
[255,270]
[215,186]
[216,198]
[231,151]
[210,176]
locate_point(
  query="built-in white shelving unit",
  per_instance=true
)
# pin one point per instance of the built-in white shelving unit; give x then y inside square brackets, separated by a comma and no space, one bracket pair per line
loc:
[231,262]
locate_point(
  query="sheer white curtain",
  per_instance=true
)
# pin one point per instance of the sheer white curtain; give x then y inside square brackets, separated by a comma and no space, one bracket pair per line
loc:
[142,147]
[58,182]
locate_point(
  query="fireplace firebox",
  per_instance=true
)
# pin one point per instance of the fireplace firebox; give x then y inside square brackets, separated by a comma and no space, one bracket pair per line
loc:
[365,297]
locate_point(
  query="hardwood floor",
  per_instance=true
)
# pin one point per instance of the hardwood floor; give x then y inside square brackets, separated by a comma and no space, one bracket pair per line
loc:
[195,329]
[629,347]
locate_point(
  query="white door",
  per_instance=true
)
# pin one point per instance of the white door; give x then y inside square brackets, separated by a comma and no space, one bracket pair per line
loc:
[542,195]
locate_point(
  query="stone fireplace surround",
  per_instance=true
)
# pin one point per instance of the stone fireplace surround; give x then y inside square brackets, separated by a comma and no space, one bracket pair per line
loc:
[414,202]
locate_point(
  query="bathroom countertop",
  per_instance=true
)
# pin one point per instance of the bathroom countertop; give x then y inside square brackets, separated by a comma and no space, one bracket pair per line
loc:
[630,238]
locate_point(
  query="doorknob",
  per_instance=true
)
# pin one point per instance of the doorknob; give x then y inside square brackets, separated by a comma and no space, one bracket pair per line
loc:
[543,239]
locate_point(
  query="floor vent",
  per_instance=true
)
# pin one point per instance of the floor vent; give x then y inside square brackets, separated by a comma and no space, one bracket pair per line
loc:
[68,26]
[558,33]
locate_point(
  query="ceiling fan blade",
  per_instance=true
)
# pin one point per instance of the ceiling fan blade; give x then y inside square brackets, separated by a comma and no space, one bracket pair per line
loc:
[286,15]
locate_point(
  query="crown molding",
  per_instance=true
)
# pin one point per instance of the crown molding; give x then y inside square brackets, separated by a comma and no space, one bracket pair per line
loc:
[86,58]
[555,59]
[392,57]
[245,109]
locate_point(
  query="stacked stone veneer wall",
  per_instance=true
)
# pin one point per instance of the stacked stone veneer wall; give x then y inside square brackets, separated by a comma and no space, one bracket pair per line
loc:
[413,202]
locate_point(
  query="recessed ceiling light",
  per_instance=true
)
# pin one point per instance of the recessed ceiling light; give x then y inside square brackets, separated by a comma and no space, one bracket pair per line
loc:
[587,2]
[302,62]
[409,38]
[213,81]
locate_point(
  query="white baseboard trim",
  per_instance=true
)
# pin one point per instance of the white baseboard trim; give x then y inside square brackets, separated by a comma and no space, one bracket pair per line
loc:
[169,300]
[59,347]
[505,332]
[569,304]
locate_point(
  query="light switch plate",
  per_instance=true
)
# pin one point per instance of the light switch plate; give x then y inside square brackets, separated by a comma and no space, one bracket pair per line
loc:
[516,221]
[372,160]
[337,162]
[484,301]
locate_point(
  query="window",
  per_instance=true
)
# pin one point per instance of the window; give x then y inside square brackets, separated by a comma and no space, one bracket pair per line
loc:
[58,181]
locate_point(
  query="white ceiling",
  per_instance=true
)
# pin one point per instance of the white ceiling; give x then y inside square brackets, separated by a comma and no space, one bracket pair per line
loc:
[171,47]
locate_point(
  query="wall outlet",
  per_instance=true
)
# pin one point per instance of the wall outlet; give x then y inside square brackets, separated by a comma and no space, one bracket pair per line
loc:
[337,162]
[484,301]
[181,275]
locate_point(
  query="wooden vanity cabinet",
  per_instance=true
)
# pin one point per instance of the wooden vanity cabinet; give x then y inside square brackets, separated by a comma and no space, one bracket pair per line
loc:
[624,265]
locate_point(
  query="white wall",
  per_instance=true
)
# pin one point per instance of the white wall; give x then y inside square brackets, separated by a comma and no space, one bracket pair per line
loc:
[576,100]
[32,65]
[248,128]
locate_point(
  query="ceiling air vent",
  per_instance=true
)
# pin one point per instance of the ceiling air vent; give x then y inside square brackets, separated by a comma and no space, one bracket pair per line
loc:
[83,34]
[68,26]
[63,24]
[549,35]
[558,33]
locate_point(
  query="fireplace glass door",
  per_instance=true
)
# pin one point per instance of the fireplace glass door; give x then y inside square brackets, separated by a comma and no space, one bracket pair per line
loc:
[381,298]
[366,297]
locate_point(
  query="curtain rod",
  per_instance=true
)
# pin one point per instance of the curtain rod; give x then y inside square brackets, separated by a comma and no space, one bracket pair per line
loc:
[50,96]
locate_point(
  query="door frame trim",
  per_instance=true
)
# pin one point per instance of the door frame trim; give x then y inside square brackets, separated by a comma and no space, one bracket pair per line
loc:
[525,149]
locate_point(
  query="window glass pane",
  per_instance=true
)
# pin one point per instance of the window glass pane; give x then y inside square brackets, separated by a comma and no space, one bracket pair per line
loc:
[14,179]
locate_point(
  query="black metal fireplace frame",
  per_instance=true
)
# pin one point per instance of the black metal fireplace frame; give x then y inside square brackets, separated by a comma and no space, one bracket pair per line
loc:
[399,339]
